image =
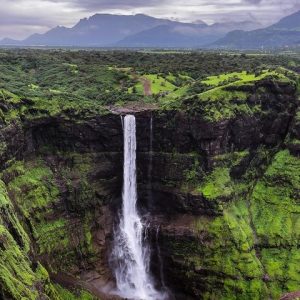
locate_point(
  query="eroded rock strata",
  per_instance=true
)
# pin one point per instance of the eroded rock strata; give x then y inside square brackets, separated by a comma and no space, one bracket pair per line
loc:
[222,198]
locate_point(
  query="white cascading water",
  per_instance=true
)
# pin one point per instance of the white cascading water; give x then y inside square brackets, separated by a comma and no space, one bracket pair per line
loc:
[150,166]
[131,252]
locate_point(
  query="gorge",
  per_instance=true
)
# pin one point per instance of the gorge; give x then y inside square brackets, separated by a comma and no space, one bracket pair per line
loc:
[218,179]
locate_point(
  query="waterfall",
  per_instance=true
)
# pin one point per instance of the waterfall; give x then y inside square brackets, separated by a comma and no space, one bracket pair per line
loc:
[160,261]
[131,251]
[150,166]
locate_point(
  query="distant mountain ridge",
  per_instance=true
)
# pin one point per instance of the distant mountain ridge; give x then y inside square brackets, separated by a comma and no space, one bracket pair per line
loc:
[107,30]
[182,35]
[285,33]
[98,30]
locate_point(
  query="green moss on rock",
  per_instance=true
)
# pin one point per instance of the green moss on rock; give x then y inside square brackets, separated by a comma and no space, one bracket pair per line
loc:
[52,236]
[18,278]
[275,203]
[65,294]
[251,251]
[217,184]
[32,185]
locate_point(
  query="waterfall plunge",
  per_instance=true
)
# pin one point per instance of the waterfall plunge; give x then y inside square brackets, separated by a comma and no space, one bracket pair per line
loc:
[131,251]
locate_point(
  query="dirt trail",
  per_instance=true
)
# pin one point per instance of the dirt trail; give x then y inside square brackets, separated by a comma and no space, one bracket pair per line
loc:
[147,86]
[291,296]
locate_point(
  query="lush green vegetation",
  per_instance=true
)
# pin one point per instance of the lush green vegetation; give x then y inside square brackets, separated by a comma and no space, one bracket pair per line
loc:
[55,81]
[31,187]
[275,205]
[249,246]
[217,184]
[78,295]
[157,83]
[256,237]
[19,278]
[227,95]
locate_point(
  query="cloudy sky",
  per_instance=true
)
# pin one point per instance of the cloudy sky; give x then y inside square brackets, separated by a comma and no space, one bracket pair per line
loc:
[20,18]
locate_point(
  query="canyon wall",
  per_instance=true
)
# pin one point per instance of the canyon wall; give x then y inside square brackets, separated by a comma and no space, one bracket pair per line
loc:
[222,198]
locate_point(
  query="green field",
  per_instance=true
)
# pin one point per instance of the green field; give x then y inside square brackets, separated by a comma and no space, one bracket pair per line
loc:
[241,77]
[158,84]
[219,84]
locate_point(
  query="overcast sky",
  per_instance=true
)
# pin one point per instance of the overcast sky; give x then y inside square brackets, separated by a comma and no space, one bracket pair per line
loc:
[20,18]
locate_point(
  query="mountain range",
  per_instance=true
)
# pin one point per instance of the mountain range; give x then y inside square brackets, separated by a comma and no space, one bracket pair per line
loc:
[107,30]
[285,33]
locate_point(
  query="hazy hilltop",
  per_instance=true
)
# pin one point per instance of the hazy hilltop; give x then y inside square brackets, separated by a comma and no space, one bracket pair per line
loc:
[101,30]
[284,33]
[183,34]
[107,30]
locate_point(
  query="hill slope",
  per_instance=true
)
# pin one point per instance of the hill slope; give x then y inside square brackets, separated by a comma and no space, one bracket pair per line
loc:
[284,33]
[182,35]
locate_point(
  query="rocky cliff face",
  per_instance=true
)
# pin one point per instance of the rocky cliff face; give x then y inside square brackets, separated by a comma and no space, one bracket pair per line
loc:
[222,198]
[58,191]
[227,206]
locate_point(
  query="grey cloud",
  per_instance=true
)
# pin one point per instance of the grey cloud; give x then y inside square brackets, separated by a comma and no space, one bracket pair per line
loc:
[253,1]
[23,17]
[114,4]
[15,20]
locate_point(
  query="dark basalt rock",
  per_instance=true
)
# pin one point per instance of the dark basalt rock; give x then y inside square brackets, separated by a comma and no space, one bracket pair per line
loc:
[179,139]
[294,135]
[100,134]
[13,141]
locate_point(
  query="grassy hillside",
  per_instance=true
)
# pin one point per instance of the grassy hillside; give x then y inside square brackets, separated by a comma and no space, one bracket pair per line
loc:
[107,78]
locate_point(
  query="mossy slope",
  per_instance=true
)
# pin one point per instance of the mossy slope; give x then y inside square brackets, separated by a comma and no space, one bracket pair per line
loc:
[251,251]
[31,234]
